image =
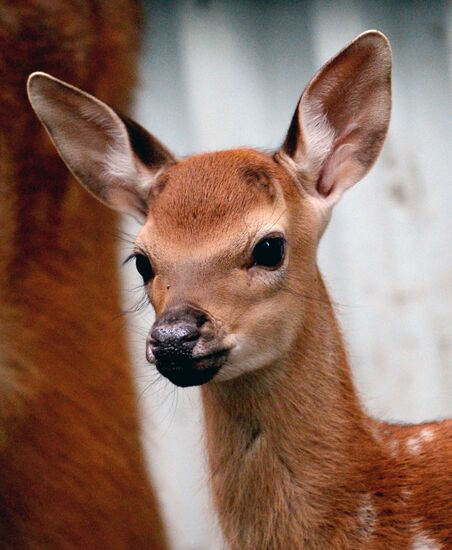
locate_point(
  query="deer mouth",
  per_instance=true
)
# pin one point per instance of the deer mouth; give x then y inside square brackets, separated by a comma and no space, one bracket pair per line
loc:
[192,371]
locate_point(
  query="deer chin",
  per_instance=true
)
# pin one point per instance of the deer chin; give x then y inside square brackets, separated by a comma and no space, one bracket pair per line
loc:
[245,357]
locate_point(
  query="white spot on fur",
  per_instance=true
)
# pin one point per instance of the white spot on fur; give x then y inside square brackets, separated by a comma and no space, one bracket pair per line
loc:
[367,517]
[427,434]
[414,443]
[421,541]
[393,446]
[374,430]
[381,437]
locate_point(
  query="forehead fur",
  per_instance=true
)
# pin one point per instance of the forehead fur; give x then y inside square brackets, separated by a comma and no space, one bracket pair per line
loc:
[213,191]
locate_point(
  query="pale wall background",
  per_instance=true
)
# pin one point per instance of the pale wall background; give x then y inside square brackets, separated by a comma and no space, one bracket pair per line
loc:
[221,74]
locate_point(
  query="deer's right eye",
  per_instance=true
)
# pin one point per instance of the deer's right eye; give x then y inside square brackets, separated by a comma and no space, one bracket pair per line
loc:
[144,267]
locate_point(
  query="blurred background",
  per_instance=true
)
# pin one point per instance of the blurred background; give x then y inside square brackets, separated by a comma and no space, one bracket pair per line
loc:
[219,74]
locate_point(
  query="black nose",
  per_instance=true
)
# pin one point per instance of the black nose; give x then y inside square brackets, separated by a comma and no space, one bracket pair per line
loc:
[171,344]
[176,339]
[175,335]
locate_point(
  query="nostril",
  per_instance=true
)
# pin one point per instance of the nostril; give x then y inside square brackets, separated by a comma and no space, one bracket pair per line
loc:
[158,335]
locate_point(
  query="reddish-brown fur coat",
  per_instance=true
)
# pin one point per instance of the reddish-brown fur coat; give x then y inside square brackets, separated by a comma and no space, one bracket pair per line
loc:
[72,473]
[295,461]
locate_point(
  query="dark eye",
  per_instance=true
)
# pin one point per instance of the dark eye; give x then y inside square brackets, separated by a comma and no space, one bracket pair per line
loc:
[269,252]
[144,267]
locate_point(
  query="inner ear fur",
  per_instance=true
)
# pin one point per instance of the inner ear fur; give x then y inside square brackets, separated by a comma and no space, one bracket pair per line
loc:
[112,156]
[342,118]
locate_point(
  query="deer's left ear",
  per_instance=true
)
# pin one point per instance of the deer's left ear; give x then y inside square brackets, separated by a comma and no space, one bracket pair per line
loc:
[342,118]
[114,158]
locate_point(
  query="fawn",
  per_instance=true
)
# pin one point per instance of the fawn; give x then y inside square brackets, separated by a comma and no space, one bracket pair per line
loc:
[227,253]
[72,470]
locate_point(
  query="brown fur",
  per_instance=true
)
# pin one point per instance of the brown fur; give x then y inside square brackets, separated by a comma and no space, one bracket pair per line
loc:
[293,456]
[295,461]
[72,473]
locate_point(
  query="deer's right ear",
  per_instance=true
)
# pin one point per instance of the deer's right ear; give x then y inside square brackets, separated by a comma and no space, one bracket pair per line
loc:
[114,158]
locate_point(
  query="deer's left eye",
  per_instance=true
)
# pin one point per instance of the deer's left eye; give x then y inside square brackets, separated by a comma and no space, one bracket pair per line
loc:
[269,252]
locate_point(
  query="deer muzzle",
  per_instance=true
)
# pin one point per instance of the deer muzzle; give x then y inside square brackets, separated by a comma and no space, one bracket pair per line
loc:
[185,346]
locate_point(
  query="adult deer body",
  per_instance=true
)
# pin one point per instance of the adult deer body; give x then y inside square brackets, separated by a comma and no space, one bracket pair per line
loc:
[228,255]
[72,473]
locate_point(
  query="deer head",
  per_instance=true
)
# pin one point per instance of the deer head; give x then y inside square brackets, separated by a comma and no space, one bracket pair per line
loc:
[228,237]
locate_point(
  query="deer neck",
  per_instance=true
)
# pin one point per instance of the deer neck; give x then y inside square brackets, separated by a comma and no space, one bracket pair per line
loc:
[280,441]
